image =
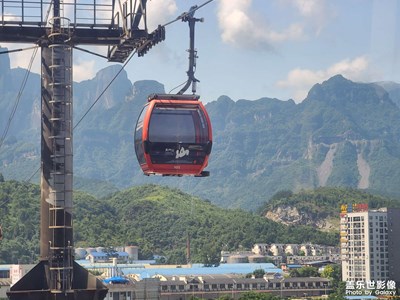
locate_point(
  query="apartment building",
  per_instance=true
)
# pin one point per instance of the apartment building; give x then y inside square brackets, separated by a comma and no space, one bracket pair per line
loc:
[369,242]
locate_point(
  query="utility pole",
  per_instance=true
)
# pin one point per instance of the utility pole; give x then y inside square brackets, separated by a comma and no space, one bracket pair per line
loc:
[57,276]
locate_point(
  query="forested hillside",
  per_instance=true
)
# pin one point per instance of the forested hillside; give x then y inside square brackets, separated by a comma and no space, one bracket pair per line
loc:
[343,134]
[157,219]
[320,207]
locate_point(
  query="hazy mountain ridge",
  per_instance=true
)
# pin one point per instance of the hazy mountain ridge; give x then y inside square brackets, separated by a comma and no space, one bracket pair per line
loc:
[343,134]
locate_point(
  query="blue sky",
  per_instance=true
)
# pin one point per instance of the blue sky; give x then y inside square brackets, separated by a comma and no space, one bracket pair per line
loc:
[250,49]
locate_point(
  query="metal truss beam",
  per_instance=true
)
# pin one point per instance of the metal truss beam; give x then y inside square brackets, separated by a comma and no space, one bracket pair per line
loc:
[125,31]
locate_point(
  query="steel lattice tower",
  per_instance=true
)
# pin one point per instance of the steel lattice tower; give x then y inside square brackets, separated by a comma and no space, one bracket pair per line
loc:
[57,276]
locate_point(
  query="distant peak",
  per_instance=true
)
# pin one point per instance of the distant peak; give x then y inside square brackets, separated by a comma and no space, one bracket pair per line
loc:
[110,70]
[337,79]
[224,98]
[331,84]
[143,88]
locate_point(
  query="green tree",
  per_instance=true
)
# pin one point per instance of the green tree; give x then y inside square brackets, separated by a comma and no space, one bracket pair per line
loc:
[225,297]
[339,292]
[302,253]
[304,272]
[259,273]
[211,256]
[333,272]
[294,273]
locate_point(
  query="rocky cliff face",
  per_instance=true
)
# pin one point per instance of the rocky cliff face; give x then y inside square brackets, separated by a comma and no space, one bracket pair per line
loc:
[361,148]
[291,215]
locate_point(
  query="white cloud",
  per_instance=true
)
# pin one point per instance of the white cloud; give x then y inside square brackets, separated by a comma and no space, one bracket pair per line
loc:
[160,12]
[315,12]
[84,70]
[22,58]
[310,8]
[242,27]
[299,81]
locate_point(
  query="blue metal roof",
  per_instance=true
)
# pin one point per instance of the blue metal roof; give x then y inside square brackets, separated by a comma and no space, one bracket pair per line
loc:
[294,266]
[104,254]
[199,269]
[116,279]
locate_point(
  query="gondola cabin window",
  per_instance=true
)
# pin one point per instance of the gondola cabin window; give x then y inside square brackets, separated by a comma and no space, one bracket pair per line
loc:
[173,137]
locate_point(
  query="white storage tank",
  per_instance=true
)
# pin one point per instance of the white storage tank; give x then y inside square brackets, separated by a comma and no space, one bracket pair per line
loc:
[133,252]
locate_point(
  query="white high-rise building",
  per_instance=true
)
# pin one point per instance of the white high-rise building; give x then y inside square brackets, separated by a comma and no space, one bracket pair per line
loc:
[368,240]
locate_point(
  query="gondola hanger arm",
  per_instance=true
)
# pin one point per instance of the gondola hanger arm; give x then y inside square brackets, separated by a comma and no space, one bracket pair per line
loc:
[189,17]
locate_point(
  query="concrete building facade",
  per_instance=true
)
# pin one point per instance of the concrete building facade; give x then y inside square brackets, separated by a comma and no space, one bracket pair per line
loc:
[369,242]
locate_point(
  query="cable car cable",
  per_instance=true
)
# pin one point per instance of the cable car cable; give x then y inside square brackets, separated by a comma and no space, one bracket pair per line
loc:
[90,52]
[133,53]
[19,95]
[178,86]
[187,13]
[105,89]
[123,66]
[93,104]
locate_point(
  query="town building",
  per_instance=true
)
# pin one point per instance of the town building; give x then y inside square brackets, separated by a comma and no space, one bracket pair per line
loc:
[292,253]
[162,282]
[370,241]
[164,287]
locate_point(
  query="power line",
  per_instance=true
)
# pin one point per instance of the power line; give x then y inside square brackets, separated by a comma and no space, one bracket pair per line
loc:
[178,86]
[122,68]
[17,100]
[126,62]
[93,104]
[105,89]
[188,13]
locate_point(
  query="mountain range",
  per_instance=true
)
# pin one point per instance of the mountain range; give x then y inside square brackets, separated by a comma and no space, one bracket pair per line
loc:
[344,133]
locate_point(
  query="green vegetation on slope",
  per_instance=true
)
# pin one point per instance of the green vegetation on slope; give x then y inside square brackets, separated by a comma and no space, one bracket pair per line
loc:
[157,219]
[343,134]
[325,202]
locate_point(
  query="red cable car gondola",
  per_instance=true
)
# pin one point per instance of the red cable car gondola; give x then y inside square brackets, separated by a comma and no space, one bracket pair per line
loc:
[173,136]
